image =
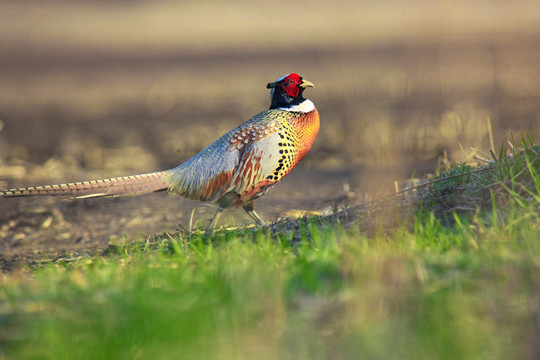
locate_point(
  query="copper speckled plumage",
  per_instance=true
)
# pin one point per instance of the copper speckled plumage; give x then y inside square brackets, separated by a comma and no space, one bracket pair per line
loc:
[234,170]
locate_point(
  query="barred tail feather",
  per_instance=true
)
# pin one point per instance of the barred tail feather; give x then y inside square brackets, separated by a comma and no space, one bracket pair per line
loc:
[125,185]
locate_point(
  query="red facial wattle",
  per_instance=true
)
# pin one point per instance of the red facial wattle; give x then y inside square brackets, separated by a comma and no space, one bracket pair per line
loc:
[291,84]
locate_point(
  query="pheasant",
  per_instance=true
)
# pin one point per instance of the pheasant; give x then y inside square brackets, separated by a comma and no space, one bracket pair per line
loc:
[232,172]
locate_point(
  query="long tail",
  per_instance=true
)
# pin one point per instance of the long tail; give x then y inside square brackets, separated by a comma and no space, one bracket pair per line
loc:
[125,185]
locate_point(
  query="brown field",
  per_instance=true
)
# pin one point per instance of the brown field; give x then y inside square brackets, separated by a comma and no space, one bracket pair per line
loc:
[99,89]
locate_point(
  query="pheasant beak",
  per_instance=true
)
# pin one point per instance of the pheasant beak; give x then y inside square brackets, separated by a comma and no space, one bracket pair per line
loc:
[306,84]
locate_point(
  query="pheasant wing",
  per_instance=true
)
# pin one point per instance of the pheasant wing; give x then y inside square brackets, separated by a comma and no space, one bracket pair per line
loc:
[232,163]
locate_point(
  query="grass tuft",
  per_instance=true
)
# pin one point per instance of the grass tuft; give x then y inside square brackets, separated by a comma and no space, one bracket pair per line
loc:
[453,277]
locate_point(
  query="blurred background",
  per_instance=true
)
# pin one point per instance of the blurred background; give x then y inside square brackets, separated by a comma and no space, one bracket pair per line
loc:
[93,89]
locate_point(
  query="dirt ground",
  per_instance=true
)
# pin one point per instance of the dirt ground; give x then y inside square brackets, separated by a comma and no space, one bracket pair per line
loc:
[78,106]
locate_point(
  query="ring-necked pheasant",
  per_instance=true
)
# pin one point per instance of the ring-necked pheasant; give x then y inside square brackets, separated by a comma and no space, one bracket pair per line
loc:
[233,171]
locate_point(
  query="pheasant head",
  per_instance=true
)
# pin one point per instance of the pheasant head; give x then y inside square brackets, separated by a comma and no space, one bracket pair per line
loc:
[287,91]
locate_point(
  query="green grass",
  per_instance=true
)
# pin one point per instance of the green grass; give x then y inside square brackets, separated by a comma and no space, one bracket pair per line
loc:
[427,290]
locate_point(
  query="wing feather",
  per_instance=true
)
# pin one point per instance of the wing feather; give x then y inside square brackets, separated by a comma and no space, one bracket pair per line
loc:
[225,165]
[257,162]
[205,175]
